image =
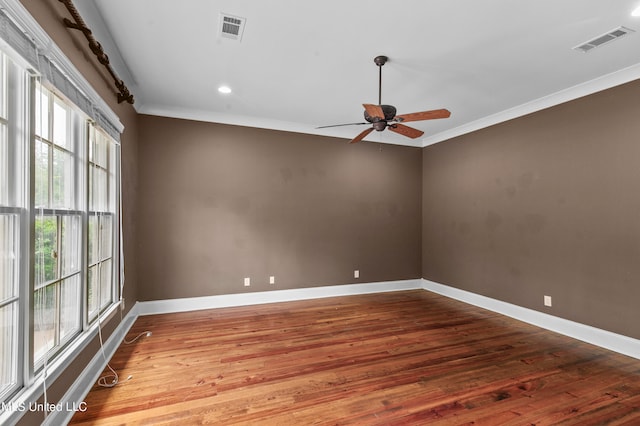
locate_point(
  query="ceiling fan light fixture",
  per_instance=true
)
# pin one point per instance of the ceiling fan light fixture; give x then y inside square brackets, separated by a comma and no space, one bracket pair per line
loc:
[224,90]
[636,11]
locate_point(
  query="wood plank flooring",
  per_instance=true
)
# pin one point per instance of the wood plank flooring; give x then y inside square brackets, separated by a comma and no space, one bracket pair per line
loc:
[399,358]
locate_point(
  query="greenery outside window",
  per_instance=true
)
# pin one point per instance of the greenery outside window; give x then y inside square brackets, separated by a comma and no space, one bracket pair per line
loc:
[58,199]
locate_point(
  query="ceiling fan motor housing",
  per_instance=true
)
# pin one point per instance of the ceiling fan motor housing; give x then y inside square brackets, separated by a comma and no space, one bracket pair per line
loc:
[389,113]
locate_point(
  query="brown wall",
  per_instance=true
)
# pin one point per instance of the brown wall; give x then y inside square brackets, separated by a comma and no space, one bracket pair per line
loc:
[49,14]
[220,203]
[547,204]
[544,204]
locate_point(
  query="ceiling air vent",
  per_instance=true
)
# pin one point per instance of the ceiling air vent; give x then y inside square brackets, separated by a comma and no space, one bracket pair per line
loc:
[603,39]
[231,26]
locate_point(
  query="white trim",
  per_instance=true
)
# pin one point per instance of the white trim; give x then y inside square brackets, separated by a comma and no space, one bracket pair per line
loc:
[608,81]
[605,339]
[258,298]
[265,123]
[72,399]
[598,84]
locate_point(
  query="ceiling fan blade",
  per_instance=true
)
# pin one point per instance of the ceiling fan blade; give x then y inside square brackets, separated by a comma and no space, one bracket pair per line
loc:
[374,110]
[362,135]
[338,125]
[407,131]
[424,115]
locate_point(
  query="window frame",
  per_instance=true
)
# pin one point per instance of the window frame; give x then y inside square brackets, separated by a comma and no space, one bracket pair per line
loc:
[16,83]
[112,210]
[27,373]
[74,147]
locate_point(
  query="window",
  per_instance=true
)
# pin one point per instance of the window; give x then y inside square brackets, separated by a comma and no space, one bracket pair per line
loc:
[102,203]
[9,306]
[55,153]
[59,222]
[13,219]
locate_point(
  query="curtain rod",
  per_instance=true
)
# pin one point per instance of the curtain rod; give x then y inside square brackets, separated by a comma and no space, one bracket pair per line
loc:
[96,48]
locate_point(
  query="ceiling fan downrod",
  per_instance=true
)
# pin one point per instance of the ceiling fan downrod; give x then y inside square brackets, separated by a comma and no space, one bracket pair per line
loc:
[380,61]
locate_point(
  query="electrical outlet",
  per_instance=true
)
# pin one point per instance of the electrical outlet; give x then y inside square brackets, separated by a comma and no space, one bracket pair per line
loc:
[247,282]
[356,274]
[547,301]
[272,279]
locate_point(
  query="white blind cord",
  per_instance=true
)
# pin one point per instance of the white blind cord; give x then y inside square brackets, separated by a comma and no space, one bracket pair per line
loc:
[41,315]
[109,380]
[121,232]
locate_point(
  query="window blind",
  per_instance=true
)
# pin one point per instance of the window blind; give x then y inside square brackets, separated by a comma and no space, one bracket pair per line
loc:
[20,31]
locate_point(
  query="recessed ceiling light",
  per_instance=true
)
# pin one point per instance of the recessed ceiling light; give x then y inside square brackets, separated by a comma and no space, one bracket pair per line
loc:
[636,11]
[224,89]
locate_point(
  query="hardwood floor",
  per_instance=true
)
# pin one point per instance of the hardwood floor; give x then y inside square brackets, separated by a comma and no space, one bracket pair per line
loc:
[400,358]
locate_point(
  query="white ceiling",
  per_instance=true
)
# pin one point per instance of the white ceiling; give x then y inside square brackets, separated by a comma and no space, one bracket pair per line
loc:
[301,65]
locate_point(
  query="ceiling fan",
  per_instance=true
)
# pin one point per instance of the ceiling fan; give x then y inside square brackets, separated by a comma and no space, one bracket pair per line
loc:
[384,116]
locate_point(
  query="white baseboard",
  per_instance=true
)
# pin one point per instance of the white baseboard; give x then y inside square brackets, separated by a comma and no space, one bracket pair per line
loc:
[605,339]
[72,399]
[258,298]
[77,392]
